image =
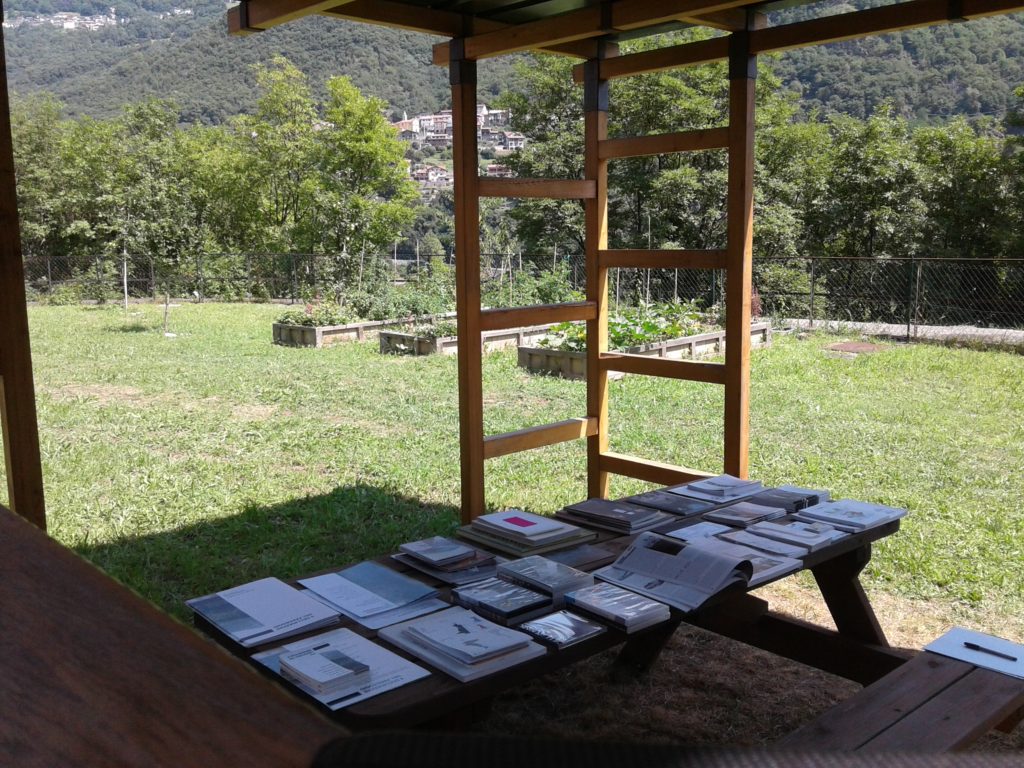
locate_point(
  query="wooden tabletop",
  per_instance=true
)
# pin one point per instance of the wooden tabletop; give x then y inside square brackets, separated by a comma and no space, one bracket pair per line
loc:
[94,675]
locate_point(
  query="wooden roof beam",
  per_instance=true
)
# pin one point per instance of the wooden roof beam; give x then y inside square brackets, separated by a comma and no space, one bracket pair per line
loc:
[592,21]
[251,16]
[830,29]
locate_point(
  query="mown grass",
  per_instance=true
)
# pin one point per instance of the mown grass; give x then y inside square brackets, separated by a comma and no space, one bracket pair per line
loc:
[188,464]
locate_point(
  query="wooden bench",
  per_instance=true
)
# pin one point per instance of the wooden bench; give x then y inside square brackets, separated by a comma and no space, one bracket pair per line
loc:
[930,704]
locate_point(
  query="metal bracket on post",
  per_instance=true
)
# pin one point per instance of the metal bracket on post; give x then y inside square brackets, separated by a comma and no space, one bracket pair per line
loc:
[742,65]
[461,71]
[955,14]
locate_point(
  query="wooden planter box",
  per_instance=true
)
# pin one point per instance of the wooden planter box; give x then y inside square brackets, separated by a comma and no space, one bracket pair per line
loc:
[325,335]
[573,365]
[394,342]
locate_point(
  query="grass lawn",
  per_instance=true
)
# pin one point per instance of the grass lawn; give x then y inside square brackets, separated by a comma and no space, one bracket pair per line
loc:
[189,464]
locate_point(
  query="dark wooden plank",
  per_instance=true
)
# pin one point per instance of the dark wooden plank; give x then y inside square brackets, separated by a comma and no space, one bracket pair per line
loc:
[94,675]
[845,597]
[17,394]
[855,721]
[536,314]
[956,717]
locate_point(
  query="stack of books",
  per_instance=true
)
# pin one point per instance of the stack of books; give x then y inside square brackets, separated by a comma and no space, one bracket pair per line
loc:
[616,516]
[562,629]
[667,501]
[810,535]
[501,601]
[462,644]
[791,501]
[374,595]
[385,670]
[624,610]
[719,490]
[545,576]
[813,496]
[521,533]
[852,516]
[324,670]
[743,513]
[447,560]
[263,611]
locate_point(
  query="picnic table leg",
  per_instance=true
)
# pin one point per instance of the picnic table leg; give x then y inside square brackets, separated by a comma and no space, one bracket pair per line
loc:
[846,599]
[640,652]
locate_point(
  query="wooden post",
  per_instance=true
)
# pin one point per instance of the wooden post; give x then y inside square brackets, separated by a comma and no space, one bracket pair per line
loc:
[595,127]
[740,211]
[17,392]
[462,73]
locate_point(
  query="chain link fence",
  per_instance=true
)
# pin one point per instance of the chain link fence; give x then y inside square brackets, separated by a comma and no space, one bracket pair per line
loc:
[908,292]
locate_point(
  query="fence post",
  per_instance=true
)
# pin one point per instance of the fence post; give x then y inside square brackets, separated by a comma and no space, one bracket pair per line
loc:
[810,323]
[910,295]
[248,276]
[199,276]
[295,278]
[917,297]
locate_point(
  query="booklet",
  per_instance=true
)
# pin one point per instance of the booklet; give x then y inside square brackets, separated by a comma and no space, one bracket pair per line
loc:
[387,670]
[563,629]
[981,650]
[721,489]
[263,611]
[771,546]
[812,535]
[623,608]
[374,595]
[700,530]
[544,575]
[683,576]
[850,515]
[439,551]
[765,567]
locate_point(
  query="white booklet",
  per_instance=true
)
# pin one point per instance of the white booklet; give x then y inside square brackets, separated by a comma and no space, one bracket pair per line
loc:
[387,670]
[683,576]
[373,595]
[766,567]
[701,530]
[981,650]
[811,535]
[263,611]
[399,636]
[721,489]
[850,515]
[763,544]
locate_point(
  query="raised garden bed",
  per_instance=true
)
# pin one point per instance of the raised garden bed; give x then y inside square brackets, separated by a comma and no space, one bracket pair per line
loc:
[573,365]
[325,335]
[395,342]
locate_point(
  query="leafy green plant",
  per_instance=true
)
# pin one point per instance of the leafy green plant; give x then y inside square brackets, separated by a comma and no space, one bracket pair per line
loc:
[635,326]
[316,315]
[435,330]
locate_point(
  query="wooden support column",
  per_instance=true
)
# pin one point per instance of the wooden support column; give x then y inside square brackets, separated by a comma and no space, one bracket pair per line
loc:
[740,212]
[17,394]
[595,117]
[462,73]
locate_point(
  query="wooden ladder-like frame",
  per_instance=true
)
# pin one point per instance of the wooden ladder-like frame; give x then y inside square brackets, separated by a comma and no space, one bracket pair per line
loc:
[735,259]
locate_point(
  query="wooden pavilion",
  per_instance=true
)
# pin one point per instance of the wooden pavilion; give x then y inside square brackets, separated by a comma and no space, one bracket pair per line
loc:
[41,576]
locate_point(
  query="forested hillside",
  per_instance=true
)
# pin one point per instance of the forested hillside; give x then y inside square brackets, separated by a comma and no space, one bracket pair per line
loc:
[928,74]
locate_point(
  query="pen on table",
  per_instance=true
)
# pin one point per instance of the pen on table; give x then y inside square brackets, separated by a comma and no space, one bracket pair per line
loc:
[982,649]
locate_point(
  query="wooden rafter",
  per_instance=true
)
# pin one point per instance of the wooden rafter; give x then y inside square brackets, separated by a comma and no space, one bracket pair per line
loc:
[592,21]
[831,29]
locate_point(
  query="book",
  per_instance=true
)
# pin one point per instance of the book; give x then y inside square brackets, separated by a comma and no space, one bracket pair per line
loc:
[374,595]
[563,629]
[699,530]
[520,526]
[813,496]
[387,670]
[617,516]
[465,575]
[438,551]
[263,611]
[502,601]
[790,501]
[743,513]
[720,489]
[324,669]
[516,548]
[812,535]
[544,575]
[588,556]
[667,501]
[470,635]
[684,576]
[622,608]
[765,567]
[763,544]
[853,516]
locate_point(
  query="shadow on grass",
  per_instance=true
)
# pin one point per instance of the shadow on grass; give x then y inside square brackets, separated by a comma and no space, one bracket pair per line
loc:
[287,540]
[132,328]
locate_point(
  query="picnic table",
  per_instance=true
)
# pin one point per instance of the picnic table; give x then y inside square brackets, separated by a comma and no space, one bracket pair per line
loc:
[857,649]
